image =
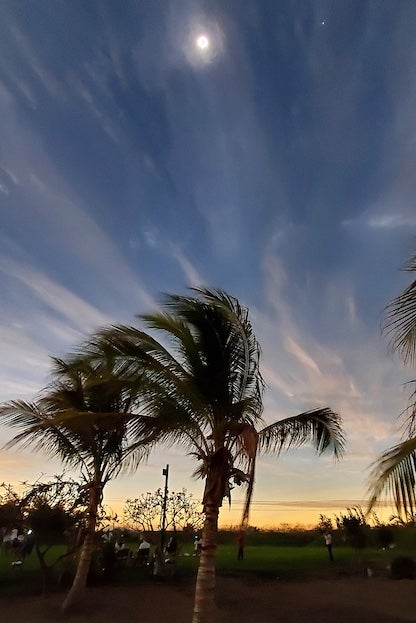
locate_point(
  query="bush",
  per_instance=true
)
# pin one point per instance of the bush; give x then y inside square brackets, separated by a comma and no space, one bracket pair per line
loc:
[403,568]
[384,536]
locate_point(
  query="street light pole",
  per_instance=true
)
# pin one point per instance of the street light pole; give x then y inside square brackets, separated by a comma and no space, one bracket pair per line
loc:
[165,473]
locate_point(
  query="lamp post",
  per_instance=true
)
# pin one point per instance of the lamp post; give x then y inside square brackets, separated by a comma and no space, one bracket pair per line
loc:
[165,473]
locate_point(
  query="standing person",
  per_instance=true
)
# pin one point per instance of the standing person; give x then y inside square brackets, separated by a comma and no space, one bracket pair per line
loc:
[328,543]
[197,545]
[241,541]
[170,552]
[172,547]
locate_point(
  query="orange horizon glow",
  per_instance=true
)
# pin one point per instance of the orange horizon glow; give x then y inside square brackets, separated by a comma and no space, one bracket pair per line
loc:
[286,515]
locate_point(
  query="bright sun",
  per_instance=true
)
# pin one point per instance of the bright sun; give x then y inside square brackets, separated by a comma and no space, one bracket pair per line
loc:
[202,42]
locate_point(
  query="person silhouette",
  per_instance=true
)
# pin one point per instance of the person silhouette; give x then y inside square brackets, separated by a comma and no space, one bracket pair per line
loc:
[328,544]
[241,541]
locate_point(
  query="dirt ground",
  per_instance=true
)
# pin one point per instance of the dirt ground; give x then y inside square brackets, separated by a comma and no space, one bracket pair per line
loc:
[367,600]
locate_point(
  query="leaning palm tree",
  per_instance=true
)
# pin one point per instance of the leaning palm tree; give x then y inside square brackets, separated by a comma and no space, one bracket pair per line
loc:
[394,472]
[204,390]
[83,417]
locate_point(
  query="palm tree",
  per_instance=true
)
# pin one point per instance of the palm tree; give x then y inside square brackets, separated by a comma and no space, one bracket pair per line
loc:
[394,472]
[84,418]
[205,392]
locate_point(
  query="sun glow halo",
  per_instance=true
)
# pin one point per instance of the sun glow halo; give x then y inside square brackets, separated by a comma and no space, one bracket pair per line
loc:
[202,42]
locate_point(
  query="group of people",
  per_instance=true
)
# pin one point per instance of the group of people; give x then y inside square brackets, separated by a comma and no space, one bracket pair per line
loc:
[19,545]
[141,555]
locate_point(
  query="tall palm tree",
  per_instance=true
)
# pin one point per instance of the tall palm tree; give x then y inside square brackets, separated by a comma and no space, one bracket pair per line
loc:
[84,418]
[204,390]
[394,472]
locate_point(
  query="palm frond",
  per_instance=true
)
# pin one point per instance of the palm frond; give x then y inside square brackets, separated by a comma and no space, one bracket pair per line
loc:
[175,328]
[394,473]
[39,431]
[411,264]
[84,418]
[248,440]
[130,349]
[409,413]
[320,427]
[223,356]
[400,325]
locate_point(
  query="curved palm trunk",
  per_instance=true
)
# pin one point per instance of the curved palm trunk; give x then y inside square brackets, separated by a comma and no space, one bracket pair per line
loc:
[77,589]
[205,581]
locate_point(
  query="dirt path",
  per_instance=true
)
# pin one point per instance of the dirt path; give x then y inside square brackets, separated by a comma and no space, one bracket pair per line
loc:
[318,601]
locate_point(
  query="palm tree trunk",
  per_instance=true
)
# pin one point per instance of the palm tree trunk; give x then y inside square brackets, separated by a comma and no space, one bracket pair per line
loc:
[205,581]
[77,589]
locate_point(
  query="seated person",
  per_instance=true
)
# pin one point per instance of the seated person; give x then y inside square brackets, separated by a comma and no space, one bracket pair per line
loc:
[121,550]
[27,545]
[143,550]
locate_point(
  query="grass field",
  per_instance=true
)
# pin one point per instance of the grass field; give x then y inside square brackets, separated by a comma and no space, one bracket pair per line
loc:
[288,562]
[260,561]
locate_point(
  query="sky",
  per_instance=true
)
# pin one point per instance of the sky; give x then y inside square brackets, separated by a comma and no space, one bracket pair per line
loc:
[266,148]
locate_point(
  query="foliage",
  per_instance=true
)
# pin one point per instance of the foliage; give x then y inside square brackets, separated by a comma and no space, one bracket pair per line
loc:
[325,524]
[384,536]
[50,523]
[11,515]
[400,325]
[406,519]
[354,527]
[402,568]
[46,508]
[84,418]
[8,494]
[394,472]
[49,513]
[145,512]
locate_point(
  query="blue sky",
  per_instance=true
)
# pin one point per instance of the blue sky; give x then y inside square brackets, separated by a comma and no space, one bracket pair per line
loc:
[276,163]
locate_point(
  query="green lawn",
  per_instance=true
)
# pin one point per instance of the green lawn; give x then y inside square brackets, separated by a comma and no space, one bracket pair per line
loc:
[291,562]
[260,562]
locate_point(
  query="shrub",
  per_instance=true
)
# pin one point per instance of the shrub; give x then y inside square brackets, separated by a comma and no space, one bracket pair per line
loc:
[403,568]
[384,536]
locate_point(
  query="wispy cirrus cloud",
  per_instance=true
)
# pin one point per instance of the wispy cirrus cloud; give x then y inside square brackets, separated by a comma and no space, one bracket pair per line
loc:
[52,210]
[47,319]
[192,275]
[343,371]
[392,221]
[56,297]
